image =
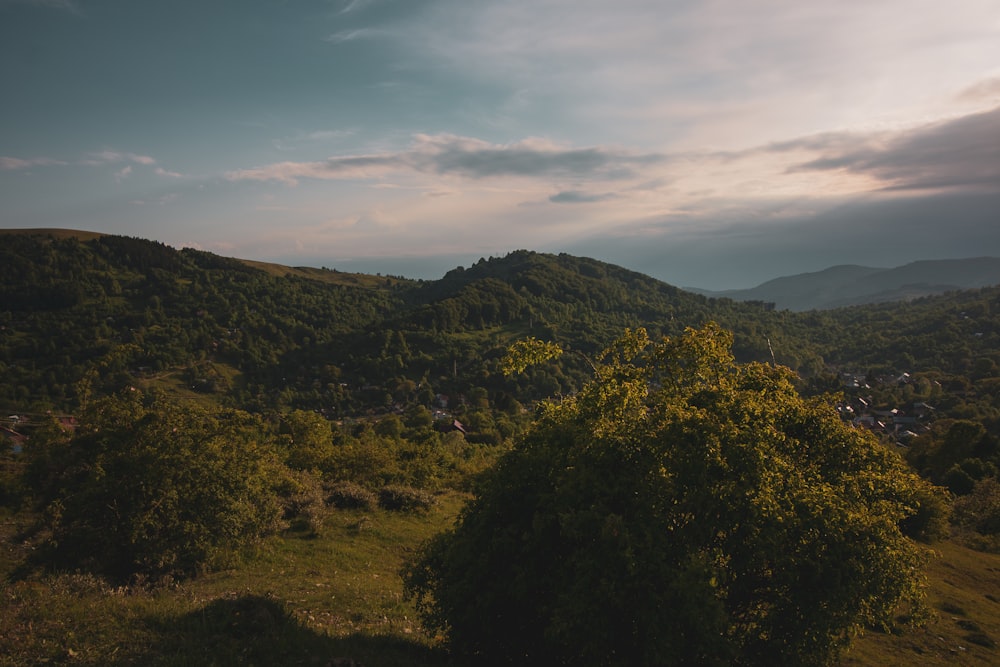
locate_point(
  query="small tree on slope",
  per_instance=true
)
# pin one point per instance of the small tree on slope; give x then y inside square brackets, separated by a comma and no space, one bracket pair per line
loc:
[681,509]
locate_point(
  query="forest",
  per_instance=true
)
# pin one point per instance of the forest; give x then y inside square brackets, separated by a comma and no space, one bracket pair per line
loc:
[166,414]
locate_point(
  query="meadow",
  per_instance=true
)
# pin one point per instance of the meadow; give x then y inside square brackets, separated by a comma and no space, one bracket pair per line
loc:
[301,598]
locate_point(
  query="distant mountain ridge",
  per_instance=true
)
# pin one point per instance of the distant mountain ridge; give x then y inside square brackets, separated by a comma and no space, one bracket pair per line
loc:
[851,285]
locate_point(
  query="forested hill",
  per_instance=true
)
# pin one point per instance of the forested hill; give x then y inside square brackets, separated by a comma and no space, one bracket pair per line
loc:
[91,313]
[580,300]
[86,314]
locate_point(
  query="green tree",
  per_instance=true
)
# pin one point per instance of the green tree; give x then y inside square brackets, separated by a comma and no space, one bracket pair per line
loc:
[155,487]
[680,509]
[309,441]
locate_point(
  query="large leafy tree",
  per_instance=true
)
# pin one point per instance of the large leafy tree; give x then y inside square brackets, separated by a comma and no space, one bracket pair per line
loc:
[680,509]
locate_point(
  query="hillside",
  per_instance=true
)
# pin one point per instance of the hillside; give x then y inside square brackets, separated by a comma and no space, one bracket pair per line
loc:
[849,285]
[89,313]
[111,310]
[379,381]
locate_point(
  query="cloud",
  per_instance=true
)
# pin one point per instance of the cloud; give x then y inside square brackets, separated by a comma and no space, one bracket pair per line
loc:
[960,153]
[713,73]
[531,157]
[19,164]
[125,161]
[112,157]
[578,197]
[352,5]
[350,35]
[985,90]
[95,159]
[354,167]
[447,154]
[436,193]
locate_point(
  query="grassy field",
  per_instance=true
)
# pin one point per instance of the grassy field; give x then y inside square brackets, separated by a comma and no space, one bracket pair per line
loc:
[964,595]
[299,599]
[328,599]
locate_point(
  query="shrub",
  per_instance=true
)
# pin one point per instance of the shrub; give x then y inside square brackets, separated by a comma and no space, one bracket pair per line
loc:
[303,499]
[929,520]
[404,498]
[979,512]
[348,495]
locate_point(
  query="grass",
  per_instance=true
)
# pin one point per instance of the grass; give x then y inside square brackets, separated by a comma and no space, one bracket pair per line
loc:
[300,599]
[964,595]
[305,599]
[363,280]
[172,382]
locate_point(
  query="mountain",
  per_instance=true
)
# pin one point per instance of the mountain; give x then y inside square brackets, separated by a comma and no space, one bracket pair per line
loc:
[84,315]
[851,285]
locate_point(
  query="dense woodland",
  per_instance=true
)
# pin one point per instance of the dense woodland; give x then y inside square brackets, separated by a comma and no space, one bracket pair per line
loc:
[361,390]
[86,318]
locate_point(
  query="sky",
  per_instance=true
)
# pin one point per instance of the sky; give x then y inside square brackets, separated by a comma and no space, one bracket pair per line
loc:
[713,143]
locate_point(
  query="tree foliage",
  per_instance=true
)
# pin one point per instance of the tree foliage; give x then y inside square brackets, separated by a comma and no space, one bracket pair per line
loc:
[680,509]
[153,487]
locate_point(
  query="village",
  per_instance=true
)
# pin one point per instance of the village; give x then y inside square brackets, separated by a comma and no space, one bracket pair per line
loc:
[897,424]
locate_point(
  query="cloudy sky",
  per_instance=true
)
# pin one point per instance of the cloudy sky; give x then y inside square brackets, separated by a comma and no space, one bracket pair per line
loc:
[709,143]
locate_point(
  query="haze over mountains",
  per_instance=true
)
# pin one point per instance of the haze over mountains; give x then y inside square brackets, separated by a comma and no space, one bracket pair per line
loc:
[849,285]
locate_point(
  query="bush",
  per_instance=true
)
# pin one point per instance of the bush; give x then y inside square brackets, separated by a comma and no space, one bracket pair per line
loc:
[151,487]
[929,520]
[680,509]
[979,512]
[404,499]
[303,500]
[348,495]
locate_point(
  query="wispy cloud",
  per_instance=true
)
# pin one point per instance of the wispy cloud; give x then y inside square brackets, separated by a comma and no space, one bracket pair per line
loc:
[447,154]
[352,5]
[95,159]
[91,160]
[290,173]
[19,164]
[342,36]
[474,158]
[113,157]
[578,197]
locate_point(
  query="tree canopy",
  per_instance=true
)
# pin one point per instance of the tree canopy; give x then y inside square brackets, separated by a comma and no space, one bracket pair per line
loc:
[680,509]
[151,487]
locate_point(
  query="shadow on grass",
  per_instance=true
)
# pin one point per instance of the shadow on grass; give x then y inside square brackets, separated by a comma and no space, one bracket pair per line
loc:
[256,630]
